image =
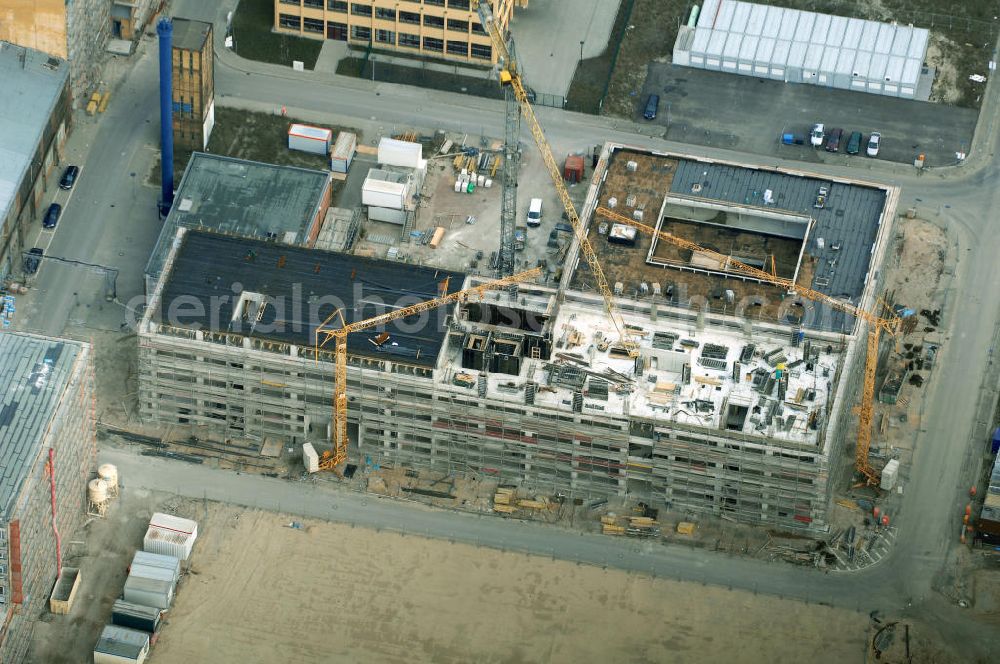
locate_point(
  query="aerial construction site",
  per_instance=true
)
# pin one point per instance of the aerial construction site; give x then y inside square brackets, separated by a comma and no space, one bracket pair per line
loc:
[732,403]
[615,358]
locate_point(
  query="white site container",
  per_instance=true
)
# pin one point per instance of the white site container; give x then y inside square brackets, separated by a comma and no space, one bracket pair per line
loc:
[343,152]
[170,535]
[392,152]
[310,458]
[380,193]
[890,473]
[307,138]
[121,645]
[155,560]
[387,214]
[156,593]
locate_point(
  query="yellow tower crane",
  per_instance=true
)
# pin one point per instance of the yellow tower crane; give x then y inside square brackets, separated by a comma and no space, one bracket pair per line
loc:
[510,75]
[324,333]
[876,325]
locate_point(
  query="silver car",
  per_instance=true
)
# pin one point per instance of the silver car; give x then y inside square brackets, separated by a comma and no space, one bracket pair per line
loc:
[874,142]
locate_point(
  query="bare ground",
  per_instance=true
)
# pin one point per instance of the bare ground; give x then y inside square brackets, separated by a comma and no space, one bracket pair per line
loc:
[334,593]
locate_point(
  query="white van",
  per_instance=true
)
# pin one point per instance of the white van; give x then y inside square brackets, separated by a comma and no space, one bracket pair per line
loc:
[535,212]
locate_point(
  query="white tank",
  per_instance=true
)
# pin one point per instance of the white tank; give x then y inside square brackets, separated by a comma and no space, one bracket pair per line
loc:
[109,473]
[97,491]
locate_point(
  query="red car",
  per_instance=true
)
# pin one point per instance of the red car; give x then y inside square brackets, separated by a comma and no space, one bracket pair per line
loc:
[833,140]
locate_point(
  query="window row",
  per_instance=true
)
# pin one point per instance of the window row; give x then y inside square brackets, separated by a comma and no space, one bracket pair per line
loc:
[413,18]
[339,32]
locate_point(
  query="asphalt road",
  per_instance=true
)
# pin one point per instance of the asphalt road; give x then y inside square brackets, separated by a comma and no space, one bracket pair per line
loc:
[749,114]
[111,220]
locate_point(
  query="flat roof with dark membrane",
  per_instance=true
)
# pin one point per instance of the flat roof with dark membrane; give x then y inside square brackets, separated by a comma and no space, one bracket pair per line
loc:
[215,275]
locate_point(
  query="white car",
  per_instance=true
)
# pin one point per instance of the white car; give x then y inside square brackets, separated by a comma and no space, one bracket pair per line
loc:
[816,135]
[873,144]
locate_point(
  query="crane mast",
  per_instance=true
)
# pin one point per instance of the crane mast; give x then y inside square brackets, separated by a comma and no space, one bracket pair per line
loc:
[327,331]
[510,76]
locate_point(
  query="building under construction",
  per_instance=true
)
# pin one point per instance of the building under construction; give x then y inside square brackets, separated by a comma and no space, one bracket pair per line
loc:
[46,455]
[735,404]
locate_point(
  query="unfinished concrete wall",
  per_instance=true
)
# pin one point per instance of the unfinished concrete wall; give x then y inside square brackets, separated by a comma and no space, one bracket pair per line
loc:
[28,525]
[88,27]
[253,390]
[37,24]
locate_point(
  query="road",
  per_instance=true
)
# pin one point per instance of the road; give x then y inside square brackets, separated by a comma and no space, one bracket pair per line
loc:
[111,219]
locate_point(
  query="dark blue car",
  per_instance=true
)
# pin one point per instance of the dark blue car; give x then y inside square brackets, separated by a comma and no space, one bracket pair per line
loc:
[52,216]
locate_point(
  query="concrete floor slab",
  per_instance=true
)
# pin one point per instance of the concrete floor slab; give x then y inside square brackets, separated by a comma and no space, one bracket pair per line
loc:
[549,33]
[750,114]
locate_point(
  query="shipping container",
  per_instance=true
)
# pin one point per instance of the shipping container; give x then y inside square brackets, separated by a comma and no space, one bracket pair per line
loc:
[170,535]
[121,645]
[380,193]
[392,152]
[135,616]
[389,215]
[156,593]
[343,152]
[306,138]
[573,168]
[156,560]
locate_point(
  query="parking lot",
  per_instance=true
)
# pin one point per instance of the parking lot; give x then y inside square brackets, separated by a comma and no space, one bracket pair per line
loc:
[750,114]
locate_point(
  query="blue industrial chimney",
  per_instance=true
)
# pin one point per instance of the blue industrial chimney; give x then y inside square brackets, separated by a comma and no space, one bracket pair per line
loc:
[165,29]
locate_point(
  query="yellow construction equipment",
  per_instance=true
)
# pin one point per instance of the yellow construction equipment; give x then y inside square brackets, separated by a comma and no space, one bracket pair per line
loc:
[876,325]
[510,75]
[324,333]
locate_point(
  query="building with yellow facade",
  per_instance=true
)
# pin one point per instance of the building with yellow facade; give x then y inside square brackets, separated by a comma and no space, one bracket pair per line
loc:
[445,29]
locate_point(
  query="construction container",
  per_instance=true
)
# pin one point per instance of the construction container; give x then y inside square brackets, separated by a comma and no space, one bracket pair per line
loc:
[343,152]
[392,152]
[890,473]
[387,215]
[157,593]
[573,168]
[437,237]
[382,193]
[135,616]
[170,535]
[686,528]
[118,645]
[145,560]
[310,458]
[306,138]
[622,234]
[64,592]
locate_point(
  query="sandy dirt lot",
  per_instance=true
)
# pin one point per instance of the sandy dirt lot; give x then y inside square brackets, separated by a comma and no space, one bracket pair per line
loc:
[260,591]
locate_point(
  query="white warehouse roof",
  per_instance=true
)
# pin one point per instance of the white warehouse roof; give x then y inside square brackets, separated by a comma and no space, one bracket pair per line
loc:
[804,47]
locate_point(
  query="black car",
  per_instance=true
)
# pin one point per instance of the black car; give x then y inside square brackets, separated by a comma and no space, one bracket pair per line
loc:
[854,142]
[833,140]
[52,216]
[652,104]
[33,260]
[69,177]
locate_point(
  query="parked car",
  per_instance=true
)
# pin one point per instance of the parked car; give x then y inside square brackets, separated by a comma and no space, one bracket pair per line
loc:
[816,135]
[33,260]
[833,140]
[874,142]
[854,142]
[821,195]
[69,177]
[652,104]
[52,216]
